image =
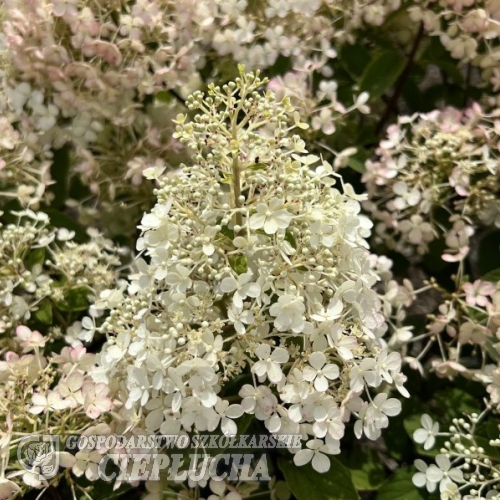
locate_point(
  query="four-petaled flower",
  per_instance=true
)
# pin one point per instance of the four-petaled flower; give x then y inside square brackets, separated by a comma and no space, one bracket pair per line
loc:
[271,217]
[269,363]
[320,372]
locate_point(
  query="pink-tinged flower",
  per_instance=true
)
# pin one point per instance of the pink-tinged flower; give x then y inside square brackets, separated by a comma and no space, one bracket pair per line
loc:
[477,293]
[450,120]
[107,51]
[456,257]
[74,356]
[43,404]
[473,333]
[96,399]
[28,339]
[8,489]
[443,320]
[70,389]
[65,8]
[447,369]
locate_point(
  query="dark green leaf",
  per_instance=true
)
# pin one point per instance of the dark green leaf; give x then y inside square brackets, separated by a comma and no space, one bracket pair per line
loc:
[307,484]
[454,401]
[44,312]
[36,256]
[400,487]
[75,300]
[381,73]
[493,276]
[227,232]
[238,263]
[367,471]
[357,164]
[413,96]
[487,260]
[354,59]
[289,237]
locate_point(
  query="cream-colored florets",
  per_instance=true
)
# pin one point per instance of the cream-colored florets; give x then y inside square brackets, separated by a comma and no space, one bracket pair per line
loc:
[252,262]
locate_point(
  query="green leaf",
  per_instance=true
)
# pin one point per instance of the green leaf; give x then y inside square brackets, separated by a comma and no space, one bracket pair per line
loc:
[164,96]
[259,166]
[400,487]
[238,263]
[413,96]
[289,237]
[485,432]
[44,312]
[492,352]
[243,423]
[452,402]
[381,73]
[357,164]
[307,484]
[354,59]
[75,300]
[36,256]
[227,232]
[367,471]
[493,276]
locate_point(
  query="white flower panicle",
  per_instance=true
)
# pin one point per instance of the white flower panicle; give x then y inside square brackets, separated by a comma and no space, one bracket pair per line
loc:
[254,269]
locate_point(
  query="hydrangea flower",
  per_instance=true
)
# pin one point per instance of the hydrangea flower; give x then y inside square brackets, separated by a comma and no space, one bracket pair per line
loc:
[460,151]
[426,435]
[261,298]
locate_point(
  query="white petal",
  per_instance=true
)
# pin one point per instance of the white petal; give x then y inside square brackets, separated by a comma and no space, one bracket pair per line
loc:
[392,407]
[419,479]
[429,443]
[434,474]
[274,372]
[270,226]
[443,462]
[256,221]
[420,436]
[234,411]
[317,360]
[280,355]
[331,371]
[229,285]
[252,290]
[321,383]
[321,462]
[228,427]
[303,457]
